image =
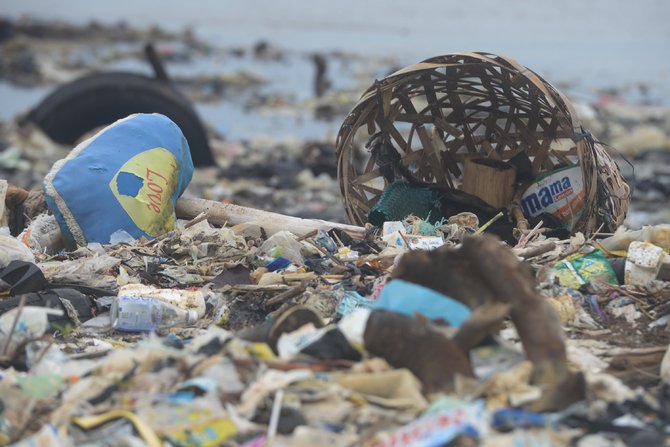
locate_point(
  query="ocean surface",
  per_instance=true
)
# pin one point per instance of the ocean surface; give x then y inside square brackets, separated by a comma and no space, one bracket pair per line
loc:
[584,45]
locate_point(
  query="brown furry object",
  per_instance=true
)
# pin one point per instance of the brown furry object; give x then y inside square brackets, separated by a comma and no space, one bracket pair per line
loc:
[23,206]
[483,273]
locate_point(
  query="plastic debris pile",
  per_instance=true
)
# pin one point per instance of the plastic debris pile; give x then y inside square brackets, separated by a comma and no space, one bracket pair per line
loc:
[168,320]
[229,336]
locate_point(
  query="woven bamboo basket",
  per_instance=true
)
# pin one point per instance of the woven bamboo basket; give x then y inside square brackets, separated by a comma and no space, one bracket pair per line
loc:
[434,115]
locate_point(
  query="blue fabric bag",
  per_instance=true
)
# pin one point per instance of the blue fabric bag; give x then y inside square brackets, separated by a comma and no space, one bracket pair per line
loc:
[127,177]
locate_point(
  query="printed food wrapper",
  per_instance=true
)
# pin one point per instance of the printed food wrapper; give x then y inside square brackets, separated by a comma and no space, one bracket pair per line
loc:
[579,269]
[560,193]
[438,428]
[126,177]
[416,242]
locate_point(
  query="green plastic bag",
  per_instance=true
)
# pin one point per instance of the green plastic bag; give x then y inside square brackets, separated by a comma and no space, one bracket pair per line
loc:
[579,269]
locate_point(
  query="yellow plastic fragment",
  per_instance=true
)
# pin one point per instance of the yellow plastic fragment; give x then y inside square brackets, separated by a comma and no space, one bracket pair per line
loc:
[619,253]
[261,351]
[357,399]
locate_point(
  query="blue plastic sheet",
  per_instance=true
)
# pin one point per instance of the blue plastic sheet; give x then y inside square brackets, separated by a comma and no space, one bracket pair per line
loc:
[409,298]
[351,301]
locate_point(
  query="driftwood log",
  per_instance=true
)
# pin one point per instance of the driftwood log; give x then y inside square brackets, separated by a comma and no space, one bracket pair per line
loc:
[228,214]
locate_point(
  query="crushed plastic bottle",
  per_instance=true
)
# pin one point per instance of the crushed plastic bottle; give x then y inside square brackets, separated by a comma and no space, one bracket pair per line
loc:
[144,314]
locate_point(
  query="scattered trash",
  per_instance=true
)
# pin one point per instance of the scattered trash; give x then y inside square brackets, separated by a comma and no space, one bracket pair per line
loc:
[241,326]
[382,333]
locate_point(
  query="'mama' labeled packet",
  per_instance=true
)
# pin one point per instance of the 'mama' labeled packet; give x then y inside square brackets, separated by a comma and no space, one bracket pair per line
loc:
[560,193]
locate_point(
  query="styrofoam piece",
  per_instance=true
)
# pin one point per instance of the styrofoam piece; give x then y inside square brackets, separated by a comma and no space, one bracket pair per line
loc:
[643,263]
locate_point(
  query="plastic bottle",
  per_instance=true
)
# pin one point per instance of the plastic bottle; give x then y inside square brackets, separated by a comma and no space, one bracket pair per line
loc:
[143,314]
[184,299]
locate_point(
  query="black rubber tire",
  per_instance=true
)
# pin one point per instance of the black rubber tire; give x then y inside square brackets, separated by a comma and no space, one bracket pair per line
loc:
[101,98]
